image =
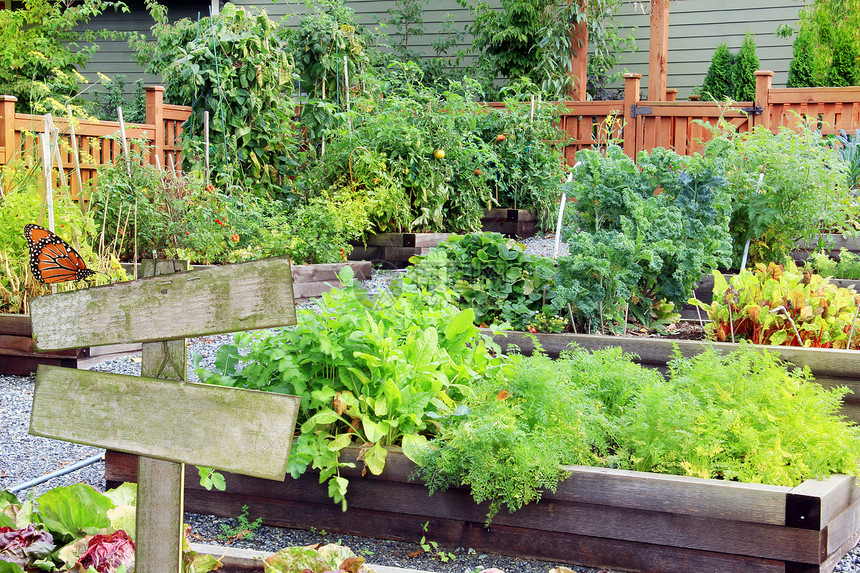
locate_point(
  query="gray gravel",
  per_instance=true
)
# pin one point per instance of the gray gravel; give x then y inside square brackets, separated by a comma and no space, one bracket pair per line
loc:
[24,457]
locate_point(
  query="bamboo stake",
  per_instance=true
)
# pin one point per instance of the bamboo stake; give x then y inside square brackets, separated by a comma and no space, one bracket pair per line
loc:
[49,192]
[54,134]
[206,144]
[532,112]
[134,262]
[77,160]
[572,322]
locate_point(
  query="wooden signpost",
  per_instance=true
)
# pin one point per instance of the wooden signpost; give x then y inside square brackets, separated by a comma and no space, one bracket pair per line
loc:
[160,416]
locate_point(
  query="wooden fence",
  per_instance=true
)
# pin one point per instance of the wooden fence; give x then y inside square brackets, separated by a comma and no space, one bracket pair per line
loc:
[642,125]
[98,142]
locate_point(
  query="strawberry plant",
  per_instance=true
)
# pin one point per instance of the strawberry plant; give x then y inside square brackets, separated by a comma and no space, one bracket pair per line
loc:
[782,306]
[491,275]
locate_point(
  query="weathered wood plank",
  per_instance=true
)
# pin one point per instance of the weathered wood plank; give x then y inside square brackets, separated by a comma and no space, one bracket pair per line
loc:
[159,515]
[328,272]
[814,503]
[15,324]
[228,298]
[243,431]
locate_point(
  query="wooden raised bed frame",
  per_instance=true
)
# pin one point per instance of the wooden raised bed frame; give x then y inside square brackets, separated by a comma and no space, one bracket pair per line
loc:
[598,517]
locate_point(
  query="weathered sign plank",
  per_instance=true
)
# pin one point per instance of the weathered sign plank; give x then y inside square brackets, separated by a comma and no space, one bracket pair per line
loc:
[229,298]
[237,430]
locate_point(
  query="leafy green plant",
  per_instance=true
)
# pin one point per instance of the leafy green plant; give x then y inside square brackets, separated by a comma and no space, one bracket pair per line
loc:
[491,275]
[242,528]
[618,255]
[105,102]
[848,148]
[741,416]
[718,80]
[370,372]
[531,39]
[800,70]
[43,48]
[330,557]
[432,548]
[75,528]
[236,67]
[781,306]
[845,266]
[784,186]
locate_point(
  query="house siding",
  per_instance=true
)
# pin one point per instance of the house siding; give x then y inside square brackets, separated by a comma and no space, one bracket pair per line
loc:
[696,28]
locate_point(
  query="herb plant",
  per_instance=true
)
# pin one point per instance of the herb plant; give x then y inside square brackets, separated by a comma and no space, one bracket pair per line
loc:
[742,416]
[369,372]
[782,306]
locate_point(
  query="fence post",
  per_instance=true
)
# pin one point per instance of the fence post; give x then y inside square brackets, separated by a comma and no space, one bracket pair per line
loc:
[632,82]
[579,58]
[155,117]
[763,81]
[7,127]
[658,55]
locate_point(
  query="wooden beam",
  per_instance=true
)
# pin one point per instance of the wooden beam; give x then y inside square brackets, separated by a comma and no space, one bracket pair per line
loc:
[579,58]
[658,56]
[228,298]
[242,431]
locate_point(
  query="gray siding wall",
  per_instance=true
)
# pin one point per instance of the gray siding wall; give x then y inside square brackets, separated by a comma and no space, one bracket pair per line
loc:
[696,28]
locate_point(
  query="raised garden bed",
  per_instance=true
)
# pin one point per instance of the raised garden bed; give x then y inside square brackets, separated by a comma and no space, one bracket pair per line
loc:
[829,367]
[393,250]
[17,357]
[598,517]
[516,223]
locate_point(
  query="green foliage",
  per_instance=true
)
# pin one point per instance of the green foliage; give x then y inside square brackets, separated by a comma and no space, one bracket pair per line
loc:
[827,45]
[491,275]
[802,192]
[374,372]
[617,254]
[242,528]
[177,215]
[40,56]
[104,104]
[743,71]
[848,148]
[235,67]
[742,416]
[327,35]
[314,559]
[515,432]
[23,202]
[800,70]
[845,266]
[531,39]
[782,306]
[718,84]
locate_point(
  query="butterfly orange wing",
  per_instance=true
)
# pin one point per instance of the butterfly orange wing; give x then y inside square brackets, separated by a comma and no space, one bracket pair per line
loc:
[52,260]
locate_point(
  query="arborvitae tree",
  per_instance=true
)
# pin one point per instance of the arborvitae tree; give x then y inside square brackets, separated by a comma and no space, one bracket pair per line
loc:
[844,70]
[718,81]
[802,63]
[743,72]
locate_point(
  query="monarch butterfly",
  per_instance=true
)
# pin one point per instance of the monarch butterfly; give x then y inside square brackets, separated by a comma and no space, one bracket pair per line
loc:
[52,260]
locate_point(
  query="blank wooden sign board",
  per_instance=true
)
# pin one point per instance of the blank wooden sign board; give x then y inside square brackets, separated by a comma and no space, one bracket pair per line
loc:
[160,416]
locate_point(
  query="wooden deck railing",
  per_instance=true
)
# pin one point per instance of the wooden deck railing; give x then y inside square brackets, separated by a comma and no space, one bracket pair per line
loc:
[643,125]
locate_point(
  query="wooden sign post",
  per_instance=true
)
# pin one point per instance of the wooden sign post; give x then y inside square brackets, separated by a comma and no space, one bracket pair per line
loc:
[159,416]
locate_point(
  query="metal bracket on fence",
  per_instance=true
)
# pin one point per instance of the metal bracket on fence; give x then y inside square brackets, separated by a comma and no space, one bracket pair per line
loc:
[755,110]
[637,110]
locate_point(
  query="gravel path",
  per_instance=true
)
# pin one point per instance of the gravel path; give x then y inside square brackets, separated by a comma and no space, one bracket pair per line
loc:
[24,457]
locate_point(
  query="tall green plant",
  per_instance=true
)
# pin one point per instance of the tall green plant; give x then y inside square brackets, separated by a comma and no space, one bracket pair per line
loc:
[40,54]
[532,39]
[743,71]
[718,80]
[235,67]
